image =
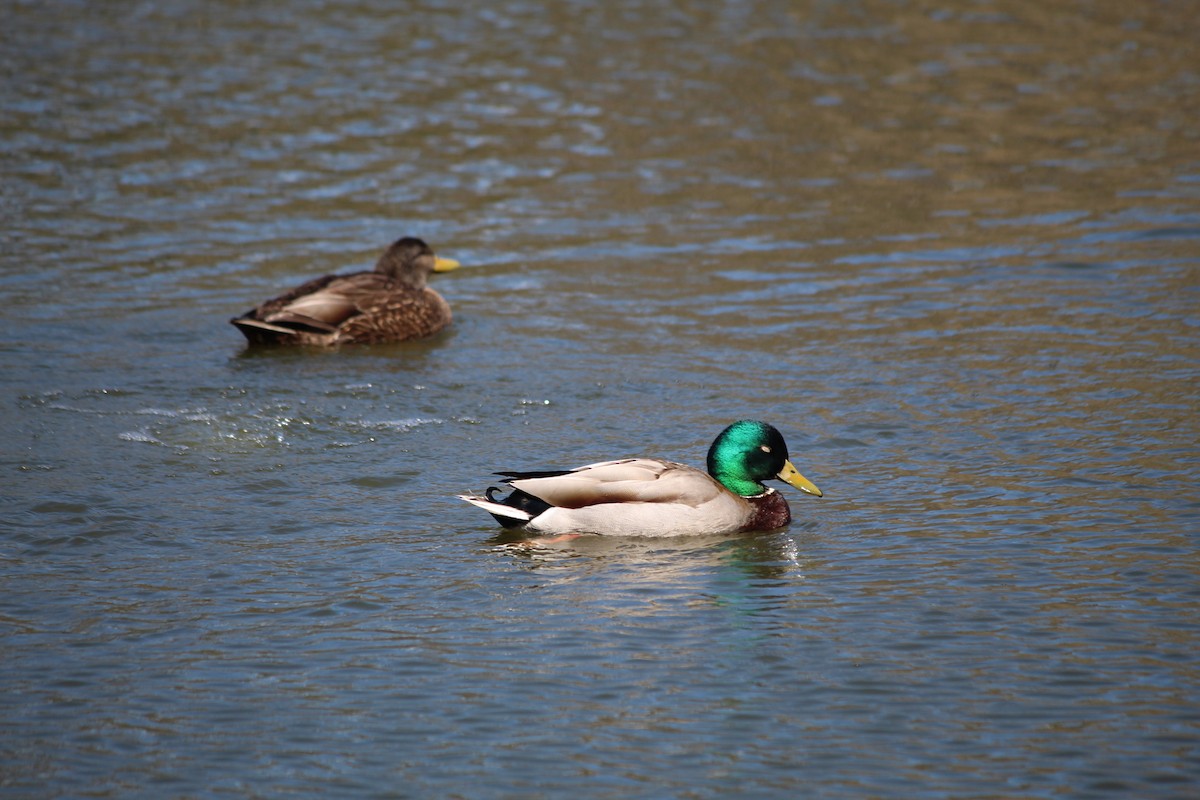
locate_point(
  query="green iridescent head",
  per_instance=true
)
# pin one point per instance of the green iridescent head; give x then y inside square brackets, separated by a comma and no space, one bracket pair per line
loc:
[749,452]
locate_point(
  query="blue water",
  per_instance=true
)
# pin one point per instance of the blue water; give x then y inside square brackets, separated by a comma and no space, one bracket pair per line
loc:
[951,252]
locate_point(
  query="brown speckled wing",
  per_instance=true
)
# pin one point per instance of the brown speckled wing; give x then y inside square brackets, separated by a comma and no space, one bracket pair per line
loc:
[277,304]
[397,316]
[338,299]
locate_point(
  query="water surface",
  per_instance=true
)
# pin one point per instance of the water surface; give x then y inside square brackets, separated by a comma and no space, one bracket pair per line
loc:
[950,250]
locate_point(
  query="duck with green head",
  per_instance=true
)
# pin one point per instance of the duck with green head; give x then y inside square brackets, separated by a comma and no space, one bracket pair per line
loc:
[652,497]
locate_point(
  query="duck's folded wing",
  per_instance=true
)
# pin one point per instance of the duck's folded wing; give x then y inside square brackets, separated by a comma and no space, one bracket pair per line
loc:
[322,303]
[635,480]
[324,309]
[334,302]
[398,315]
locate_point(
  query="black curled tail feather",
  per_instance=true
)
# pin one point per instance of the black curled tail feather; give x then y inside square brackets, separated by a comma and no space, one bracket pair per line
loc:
[524,501]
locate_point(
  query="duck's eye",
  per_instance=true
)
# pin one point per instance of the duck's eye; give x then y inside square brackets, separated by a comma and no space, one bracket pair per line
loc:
[764,448]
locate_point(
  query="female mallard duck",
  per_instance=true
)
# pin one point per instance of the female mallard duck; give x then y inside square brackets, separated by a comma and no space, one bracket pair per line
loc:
[649,497]
[390,304]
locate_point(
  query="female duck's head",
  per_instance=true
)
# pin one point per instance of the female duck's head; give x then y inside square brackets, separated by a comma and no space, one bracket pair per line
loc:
[410,261]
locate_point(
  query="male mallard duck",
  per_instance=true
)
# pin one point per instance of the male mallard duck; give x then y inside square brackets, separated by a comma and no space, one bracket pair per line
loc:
[650,497]
[390,304]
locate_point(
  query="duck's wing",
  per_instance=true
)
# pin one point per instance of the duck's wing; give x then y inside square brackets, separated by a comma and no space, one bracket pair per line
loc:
[632,480]
[395,316]
[315,307]
[327,302]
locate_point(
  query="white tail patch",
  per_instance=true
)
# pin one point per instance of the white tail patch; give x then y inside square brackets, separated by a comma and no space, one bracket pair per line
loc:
[497,508]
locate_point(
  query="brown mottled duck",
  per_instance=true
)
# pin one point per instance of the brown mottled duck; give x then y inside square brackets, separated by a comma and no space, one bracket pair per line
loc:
[390,304]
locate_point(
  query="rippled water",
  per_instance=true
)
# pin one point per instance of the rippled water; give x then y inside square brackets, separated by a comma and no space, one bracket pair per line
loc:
[950,250]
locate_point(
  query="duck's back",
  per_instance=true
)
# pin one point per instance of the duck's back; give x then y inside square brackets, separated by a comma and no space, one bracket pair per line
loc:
[635,497]
[360,308]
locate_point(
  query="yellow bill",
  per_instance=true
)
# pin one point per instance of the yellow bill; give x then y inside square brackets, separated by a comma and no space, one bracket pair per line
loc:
[790,475]
[444,264]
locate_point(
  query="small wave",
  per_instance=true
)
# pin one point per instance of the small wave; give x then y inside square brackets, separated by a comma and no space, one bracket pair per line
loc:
[157,412]
[399,424]
[139,436]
